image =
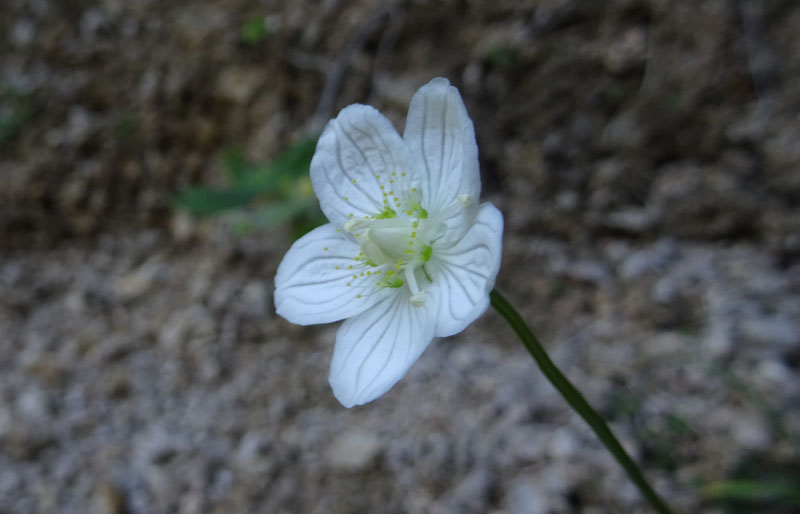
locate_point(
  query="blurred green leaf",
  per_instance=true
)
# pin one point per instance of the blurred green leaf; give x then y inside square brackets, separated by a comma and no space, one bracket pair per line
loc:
[255,30]
[236,165]
[678,425]
[270,216]
[206,202]
[760,483]
[126,126]
[262,196]
[752,491]
[502,57]
[16,109]
[278,177]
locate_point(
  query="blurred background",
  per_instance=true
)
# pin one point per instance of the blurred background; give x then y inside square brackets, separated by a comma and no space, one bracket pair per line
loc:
[153,171]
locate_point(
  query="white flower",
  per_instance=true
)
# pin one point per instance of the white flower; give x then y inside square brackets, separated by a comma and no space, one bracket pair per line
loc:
[408,254]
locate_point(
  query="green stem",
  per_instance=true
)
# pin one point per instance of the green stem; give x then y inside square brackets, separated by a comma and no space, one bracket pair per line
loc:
[576,400]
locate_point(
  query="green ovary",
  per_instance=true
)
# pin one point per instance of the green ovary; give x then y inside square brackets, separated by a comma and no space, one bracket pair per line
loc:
[396,241]
[398,244]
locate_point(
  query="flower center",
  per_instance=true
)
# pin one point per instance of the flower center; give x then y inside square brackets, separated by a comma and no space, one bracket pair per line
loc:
[398,245]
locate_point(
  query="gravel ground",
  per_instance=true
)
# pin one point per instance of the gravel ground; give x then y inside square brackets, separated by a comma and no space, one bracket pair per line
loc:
[644,153]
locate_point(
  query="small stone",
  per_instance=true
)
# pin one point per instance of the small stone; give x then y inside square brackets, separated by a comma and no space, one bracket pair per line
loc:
[627,52]
[238,85]
[32,403]
[108,499]
[22,33]
[255,299]
[92,21]
[751,432]
[771,330]
[182,226]
[354,450]
[525,498]
[624,132]
[633,220]
[563,444]
[137,282]
[648,260]
[591,272]
[782,158]
[251,446]
[472,494]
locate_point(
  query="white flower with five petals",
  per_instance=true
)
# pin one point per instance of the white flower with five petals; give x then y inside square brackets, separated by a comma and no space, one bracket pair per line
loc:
[408,254]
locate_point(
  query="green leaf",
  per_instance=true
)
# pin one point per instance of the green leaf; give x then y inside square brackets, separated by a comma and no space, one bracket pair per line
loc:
[236,165]
[280,176]
[752,491]
[255,30]
[268,216]
[16,109]
[205,202]
[284,183]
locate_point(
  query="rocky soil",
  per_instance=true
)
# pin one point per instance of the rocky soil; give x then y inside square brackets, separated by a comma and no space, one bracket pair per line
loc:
[646,155]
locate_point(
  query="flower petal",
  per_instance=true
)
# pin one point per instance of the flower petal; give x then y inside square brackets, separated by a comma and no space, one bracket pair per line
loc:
[356,152]
[375,349]
[440,133]
[309,288]
[464,274]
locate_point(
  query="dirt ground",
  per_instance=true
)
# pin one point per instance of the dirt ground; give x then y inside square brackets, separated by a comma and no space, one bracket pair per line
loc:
[645,154]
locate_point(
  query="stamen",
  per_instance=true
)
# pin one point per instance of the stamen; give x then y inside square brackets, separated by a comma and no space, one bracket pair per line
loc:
[466,200]
[418,297]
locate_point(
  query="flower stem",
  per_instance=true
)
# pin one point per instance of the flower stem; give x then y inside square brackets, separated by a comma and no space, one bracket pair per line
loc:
[576,400]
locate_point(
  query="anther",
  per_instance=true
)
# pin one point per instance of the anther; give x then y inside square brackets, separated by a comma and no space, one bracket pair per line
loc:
[466,200]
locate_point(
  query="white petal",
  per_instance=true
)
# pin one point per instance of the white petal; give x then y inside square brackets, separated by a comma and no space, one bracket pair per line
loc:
[457,219]
[464,274]
[356,153]
[439,132]
[309,288]
[375,349]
